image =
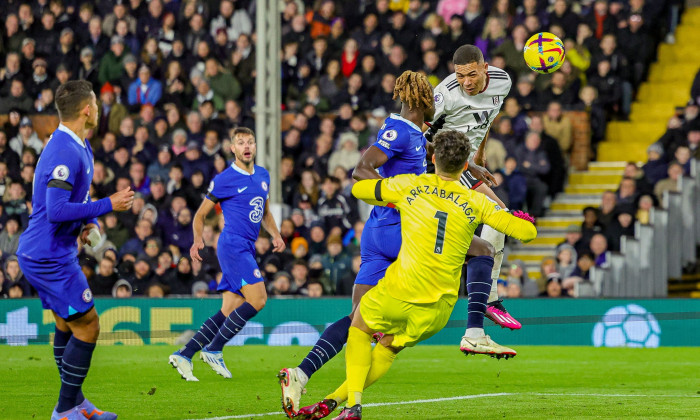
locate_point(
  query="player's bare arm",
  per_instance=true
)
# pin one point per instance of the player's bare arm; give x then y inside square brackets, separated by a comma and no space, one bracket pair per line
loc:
[372,159]
[270,226]
[198,226]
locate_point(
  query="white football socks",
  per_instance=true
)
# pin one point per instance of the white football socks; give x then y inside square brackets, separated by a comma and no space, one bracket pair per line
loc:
[497,239]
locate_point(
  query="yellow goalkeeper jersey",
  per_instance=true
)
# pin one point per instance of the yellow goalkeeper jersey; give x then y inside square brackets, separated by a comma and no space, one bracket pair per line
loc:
[438,219]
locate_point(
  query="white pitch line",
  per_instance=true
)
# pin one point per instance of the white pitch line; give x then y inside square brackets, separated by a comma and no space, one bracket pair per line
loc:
[467,397]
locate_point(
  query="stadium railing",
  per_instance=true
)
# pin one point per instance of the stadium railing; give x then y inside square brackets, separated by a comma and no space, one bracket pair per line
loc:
[658,251]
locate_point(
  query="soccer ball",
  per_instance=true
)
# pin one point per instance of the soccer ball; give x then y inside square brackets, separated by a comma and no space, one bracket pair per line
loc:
[627,326]
[544,53]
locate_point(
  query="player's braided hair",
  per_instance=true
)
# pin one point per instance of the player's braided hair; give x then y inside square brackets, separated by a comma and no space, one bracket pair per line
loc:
[414,90]
[452,149]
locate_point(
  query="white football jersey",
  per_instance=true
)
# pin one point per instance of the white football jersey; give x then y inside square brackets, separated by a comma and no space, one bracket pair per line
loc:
[471,115]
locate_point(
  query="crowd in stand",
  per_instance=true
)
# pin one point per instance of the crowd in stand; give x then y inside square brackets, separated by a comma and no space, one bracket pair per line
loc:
[173,77]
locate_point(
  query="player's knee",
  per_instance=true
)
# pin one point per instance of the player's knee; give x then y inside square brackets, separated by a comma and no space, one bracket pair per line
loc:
[258,302]
[490,250]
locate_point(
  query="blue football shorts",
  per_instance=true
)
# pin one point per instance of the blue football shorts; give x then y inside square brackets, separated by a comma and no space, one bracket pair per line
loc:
[238,266]
[61,285]
[379,248]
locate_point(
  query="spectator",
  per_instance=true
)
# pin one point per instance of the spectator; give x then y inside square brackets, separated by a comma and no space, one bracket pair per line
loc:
[145,90]
[553,289]
[103,282]
[17,99]
[566,260]
[599,248]
[590,225]
[111,65]
[345,284]
[512,50]
[627,193]
[558,125]
[558,164]
[9,237]
[533,163]
[606,211]
[143,230]
[493,35]
[315,289]
[581,272]
[384,98]
[26,137]
[572,237]
[300,273]
[562,16]
[671,184]
[122,289]
[299,247]
[609,87]
[622,225]
[180,280]
[644,205]
[14,278]
[588,102]
[515,183]
[335,262]
[156,290]
[280,284]
[179,237]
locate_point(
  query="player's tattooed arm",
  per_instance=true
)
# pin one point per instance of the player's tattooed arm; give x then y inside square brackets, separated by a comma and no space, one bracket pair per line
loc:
[269,224]
[366,168]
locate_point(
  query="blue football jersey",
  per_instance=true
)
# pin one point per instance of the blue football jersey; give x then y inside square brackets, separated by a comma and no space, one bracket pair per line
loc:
[65,158]
[242,197]
[404,144]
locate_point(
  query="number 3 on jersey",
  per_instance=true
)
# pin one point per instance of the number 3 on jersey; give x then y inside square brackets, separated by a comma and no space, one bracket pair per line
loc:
[256,214]
[440,239]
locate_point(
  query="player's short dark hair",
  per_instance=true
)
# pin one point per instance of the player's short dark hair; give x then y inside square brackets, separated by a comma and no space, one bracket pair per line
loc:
[467,54]
[71,97]
[241,130]
[452,149]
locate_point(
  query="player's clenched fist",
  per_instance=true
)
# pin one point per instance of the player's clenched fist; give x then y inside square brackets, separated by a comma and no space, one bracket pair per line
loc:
[122,200]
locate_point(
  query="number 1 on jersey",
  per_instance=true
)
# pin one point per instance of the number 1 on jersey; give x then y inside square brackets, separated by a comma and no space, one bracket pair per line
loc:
[440,239]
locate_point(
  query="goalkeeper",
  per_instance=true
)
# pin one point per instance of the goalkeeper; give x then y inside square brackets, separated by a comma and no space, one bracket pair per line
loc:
[415,299]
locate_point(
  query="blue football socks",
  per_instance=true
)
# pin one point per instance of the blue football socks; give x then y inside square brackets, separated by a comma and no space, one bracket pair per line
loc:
[206,333]
[233,324]
[328,345]
[74,368]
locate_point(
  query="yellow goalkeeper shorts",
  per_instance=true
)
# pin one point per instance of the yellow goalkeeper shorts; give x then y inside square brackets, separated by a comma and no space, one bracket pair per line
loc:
[409,323]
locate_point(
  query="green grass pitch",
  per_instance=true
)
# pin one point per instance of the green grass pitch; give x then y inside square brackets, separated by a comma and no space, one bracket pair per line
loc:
[540,383]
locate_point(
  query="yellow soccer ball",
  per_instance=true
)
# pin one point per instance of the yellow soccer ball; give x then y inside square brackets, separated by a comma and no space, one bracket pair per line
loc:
[544,53]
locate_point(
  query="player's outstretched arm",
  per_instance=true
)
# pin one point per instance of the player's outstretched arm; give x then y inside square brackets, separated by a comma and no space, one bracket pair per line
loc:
[198,226]
[366,168]
[269,224]
[519,227]
[379,192]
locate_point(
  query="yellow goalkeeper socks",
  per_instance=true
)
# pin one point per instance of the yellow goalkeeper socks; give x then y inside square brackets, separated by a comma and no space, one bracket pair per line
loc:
[358,360]
[382,358]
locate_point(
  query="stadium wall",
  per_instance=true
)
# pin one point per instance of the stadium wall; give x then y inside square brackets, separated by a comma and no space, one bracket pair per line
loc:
[583,322]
